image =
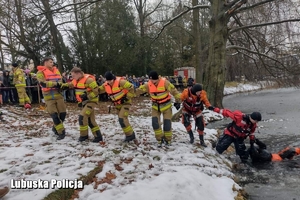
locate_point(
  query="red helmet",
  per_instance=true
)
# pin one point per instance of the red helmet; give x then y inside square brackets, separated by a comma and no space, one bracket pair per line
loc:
[27,106]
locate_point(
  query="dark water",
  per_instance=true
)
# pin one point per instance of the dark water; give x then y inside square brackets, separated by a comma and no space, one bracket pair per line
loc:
[279,128]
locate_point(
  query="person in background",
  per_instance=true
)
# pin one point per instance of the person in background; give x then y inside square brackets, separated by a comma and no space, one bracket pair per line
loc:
[120,91]
[34,89]
[194,99]
[20,84]
[50,80]
[242,126]
[71,91]
[160,91]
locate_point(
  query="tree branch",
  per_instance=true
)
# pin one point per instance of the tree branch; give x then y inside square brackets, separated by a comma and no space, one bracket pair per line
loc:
[263,24]
[255,5]
[178,16]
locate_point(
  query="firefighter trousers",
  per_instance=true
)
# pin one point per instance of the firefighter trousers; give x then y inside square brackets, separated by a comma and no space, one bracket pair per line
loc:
[87,119]
[23,97]
[123,112]
[239,145]
[199,121]
[167,124]
[57,110]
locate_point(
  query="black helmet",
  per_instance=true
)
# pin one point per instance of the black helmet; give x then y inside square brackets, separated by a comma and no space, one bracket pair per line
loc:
[109,76]
[197,87]
[153,75]
[256,116]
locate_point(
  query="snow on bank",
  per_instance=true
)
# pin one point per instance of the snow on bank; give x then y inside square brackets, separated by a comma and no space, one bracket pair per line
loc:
[30,152]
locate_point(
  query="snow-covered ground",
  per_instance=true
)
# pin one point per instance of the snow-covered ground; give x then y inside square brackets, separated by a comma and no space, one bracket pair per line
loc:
[29,151]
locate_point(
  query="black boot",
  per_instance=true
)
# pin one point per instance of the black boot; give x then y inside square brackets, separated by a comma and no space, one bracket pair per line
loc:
[191,134]
[54,130]
[202,143]
[98,137]
[130,137]
[61,136]
[83,138]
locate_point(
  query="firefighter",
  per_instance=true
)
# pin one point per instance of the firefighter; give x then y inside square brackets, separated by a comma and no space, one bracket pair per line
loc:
[86,92]
[120,91]
[242,126]
[20,84]
[50,80]
[194,99]
[160,91]
[260,154]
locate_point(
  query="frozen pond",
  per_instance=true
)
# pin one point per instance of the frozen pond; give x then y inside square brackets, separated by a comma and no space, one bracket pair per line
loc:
[279,128]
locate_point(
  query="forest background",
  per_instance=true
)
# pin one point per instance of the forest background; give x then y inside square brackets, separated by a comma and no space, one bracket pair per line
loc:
[224,40]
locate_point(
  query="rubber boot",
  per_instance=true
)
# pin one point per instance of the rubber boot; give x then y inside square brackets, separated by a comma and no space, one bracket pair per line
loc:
[159,144]
[61,136]
[130,137]
[98,137]
[202,143]
[191,134]
[83,138]
[54,130]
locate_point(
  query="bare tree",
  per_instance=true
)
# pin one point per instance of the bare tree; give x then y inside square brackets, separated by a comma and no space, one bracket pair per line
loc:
[221,27]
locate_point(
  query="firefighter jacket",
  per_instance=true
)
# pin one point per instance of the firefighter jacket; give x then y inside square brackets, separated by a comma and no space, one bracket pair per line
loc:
[193,103]
[19,78]
[160,93]
[86,84]
[50,77]
[288,153]
[241,126]
[120,92]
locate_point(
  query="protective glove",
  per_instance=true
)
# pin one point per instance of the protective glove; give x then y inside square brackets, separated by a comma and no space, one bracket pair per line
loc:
[84,96]
[58,85]
[124,99]
[217,110]
[177,105]
[43,84]
[211,108]
[64,86]
[260,144]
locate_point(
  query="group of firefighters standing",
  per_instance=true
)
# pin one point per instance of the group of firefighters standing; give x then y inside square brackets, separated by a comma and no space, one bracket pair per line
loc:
[120,91]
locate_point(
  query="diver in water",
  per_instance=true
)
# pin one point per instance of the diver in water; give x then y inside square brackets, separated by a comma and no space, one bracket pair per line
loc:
[260,154]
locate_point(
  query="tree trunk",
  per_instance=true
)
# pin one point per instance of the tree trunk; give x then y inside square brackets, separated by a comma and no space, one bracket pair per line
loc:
[196,35]
[54,33]
[214,79]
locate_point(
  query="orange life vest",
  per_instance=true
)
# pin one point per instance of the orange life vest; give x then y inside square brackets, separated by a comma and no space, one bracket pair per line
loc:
[276,157]
[80,87]
[49,75]
[115,92]
[192,104]
[158,93]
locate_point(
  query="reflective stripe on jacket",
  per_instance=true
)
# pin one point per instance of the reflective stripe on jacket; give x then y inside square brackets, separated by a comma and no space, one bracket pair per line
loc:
[193,103]
[115,92]
[19,78]
[160,96]
[81,87]
[49,75]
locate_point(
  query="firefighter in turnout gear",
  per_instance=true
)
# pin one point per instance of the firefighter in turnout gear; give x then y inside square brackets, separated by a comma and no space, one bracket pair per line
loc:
[120,91]
[194,99]
[20,84]
[86,91]
[51,82]
[242,126]
[160,91]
